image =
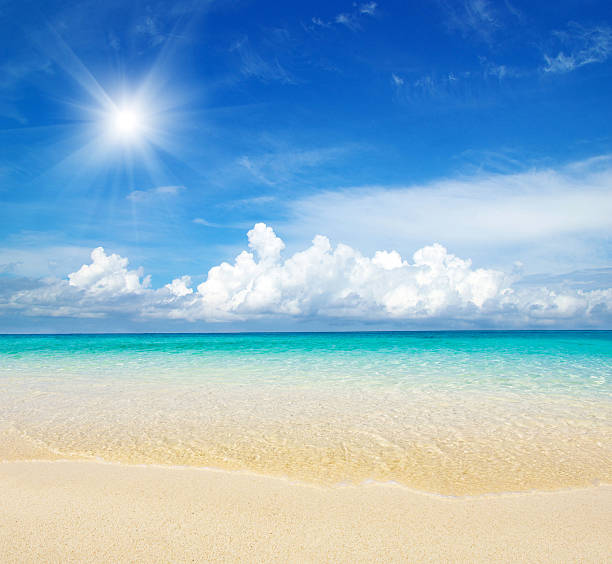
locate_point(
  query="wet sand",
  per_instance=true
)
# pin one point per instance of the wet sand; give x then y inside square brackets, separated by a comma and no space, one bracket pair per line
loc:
[52,511]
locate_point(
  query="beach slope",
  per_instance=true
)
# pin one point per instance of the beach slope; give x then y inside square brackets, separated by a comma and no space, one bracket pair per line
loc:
[97,512]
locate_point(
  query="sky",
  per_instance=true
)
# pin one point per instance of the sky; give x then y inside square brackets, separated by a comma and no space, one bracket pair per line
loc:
[237,166]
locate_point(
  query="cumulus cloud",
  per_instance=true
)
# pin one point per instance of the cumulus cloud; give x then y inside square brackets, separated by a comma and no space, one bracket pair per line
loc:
[108,275]
[322,281]
[104,287]
[545,218]
[180,286]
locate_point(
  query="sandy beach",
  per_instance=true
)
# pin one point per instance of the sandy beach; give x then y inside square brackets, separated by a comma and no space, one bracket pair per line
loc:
[306,448]
[53,511]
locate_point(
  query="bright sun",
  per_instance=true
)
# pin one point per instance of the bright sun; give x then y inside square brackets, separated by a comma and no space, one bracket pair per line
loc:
[126,123]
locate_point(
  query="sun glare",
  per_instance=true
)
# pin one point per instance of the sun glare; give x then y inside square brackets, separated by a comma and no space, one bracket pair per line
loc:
[126,123]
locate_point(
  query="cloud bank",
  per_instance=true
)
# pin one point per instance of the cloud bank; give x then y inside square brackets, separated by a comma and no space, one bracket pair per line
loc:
[321,282]
[552,220]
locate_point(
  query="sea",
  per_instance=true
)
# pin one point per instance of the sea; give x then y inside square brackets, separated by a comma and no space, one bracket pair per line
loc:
[452,413]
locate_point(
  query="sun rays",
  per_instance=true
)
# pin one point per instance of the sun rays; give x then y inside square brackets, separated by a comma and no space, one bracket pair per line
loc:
[115,123]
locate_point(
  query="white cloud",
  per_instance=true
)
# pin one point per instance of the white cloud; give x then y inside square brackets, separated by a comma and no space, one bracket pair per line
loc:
[426,85]
[479,11]
[108,275]
[206,223]
[454,87]
[248,202]
[560,63]
[35,256]
[149,28]
[285,166]
[583,46]
[324,282]
[338,282]
[346,19]
[351,19]
[265,243]
[500,72]
[154,193]
[548,219]
[473,17]
[180,286]
[368,8]
[319,22]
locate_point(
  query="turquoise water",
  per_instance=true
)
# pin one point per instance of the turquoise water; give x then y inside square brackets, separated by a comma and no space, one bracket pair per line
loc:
[453,412]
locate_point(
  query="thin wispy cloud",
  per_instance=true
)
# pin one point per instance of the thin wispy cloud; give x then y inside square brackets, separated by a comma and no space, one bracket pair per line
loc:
[13,74]
[582,46]
[351,19]
[285,165]
[42,258]
[160,22]
[368,8]
[477,18]
[9,267]
[396,79]
[319,22]
[205,223]
[253,65]
[113,41]
[438,88]
[249,202]
[158,193]
[456,86]
[255,169]
[149,27]
[500,72]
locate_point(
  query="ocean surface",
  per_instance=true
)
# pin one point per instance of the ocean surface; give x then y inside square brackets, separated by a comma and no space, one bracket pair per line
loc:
[446,412]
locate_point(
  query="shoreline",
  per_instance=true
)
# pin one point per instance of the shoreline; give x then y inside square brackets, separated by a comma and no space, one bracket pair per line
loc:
[308,484]
[84,510]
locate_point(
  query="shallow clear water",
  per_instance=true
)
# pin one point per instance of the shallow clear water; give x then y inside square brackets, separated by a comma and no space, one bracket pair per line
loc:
[450,412]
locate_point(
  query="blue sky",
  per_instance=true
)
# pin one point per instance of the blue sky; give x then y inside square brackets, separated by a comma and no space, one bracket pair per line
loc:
[480,126]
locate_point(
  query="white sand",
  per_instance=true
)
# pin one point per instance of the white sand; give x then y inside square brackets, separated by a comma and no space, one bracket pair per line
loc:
[94,512]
